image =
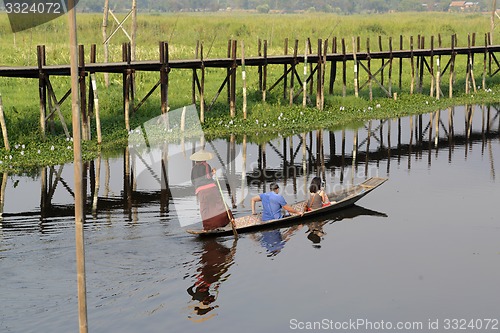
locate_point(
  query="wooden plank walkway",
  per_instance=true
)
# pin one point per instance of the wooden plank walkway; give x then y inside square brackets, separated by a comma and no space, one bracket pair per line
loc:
[155,65]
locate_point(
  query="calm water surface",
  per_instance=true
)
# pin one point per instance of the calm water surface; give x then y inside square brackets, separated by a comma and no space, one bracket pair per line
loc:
[423,247]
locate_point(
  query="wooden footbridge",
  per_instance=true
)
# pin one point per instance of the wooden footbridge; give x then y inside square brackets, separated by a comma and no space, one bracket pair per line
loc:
[329,65]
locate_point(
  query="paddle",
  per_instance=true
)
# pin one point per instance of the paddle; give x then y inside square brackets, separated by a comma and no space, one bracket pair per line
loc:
[233,225]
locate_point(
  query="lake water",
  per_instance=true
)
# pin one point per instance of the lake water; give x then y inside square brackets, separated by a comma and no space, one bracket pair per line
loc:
[418,253]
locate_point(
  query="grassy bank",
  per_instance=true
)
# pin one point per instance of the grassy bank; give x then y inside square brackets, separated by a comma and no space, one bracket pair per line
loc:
[265,120]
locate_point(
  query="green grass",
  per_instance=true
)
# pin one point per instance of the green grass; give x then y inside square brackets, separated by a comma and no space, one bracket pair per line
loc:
[182,31]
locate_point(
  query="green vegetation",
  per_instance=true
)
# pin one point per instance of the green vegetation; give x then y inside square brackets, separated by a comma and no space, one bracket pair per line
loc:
[265,120]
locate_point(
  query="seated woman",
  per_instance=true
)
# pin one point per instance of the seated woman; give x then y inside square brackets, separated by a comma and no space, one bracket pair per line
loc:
[318,197]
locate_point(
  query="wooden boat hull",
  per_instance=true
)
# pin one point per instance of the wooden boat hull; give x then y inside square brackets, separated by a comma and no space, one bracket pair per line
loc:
[346,198]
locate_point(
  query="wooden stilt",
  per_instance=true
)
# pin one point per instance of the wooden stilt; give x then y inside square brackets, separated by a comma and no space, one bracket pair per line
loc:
[202,87]
[344,69]
[232,102]
[311,81]
[83,93]
[356,92]
[42,87]
[193,83]
[4,127]
[94,97]
[319,74]
[244,80]
[452,67]
[485,56]
[412,60]
[285,71]
[390,65]
[421,68]
[304,82]
[293,71]
[433,78]
[228,71]
[164,76]
[368,60]
[264,73]
[400,85]
[333,67]
[382,61]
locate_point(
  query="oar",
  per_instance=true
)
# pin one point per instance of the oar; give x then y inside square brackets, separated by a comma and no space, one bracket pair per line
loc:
[233,225]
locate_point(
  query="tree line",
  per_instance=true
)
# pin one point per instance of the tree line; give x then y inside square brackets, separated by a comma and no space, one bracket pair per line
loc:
[345,7]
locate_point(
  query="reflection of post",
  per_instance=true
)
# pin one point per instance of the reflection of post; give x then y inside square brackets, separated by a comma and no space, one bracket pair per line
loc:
[354,153]
[490,153]
[243,169]
[388,145]
[450,133]
[368,141]
[2,193]
[97,183]
[43,196]
[232,172]
[304,153]
[127,186]
[436,138]
[410,148]
[429,141]
[343,157]
[164,197]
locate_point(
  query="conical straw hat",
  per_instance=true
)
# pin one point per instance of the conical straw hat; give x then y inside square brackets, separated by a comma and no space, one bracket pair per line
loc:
[201,155]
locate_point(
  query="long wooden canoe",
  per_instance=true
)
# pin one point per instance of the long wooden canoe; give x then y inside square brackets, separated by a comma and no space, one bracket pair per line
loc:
[345,198]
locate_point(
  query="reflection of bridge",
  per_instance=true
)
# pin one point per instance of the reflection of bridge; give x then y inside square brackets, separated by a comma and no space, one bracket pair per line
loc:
[288,160]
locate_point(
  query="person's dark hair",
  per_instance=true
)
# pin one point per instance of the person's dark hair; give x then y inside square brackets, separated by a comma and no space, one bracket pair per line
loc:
[274,186]
[315,185]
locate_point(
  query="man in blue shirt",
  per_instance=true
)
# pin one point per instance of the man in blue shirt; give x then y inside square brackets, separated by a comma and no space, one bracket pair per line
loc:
[272,203]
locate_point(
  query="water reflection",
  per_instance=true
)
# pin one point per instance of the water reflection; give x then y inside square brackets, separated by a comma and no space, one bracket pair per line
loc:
[41,203]
[338,157]
[215,261]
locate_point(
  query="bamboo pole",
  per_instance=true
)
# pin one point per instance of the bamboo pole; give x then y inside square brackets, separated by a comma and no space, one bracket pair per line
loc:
[202,87]
[42,87]
[356,92]
[105,37]
[304,82]
[244,79]
[232,102]
[452,66]
[412,61]
[78,174]
[492,19]
[4,127]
